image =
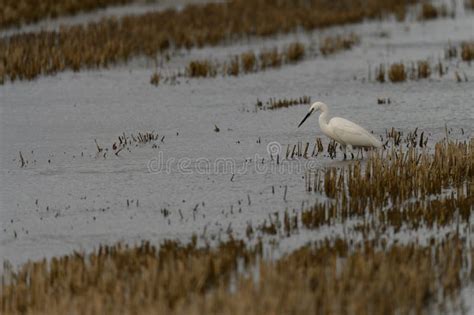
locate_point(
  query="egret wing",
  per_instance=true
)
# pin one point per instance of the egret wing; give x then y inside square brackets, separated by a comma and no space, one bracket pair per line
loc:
[350,133]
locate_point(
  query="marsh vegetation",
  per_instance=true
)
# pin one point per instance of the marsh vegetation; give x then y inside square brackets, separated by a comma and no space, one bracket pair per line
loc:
[331,276]
[430,11]
[112,40]
[230,208]
[276,103]
[267,58]
[16,13]
[422,69]
[334,275]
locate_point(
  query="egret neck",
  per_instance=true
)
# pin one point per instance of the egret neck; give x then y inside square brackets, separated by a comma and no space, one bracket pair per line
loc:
[323,119]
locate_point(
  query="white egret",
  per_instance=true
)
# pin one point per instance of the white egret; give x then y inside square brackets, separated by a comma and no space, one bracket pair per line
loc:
[350,135]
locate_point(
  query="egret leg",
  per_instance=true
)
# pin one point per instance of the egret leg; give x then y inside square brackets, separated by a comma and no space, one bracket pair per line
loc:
[351,149]
[344,150]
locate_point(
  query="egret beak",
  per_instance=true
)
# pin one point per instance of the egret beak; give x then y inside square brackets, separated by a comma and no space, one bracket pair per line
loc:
[305,117]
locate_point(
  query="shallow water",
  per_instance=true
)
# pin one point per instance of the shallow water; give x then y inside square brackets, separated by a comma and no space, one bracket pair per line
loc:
[78,200]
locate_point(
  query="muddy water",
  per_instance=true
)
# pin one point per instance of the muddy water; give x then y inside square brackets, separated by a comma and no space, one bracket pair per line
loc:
[70,198]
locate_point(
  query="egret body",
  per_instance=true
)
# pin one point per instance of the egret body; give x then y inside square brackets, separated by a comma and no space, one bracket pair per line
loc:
[350,135]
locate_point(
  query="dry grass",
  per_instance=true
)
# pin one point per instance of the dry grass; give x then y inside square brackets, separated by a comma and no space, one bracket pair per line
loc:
[395,138]
[405,180]
[332,44]
[397,73]
[329,277]
[155,78]
[467,51]
[394,191]
[441,69]
[295,52]
[17,12]
[126,142]
[429,11]
[201,68]
[270,58]
[234,67]
[423,70]
[469,4]
[248,62]
[274,103]
[383,100]
[466,48]
[267,58]
[112,40]
[450,52]
[380,74]
[305,150]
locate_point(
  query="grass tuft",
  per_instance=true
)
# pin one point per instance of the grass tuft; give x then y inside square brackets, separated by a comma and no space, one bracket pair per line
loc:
[274,103]
[397,73]
[249,61]
[295,52]
[201,68]
[155,78]
[430,12]
[332,44]
[467,51]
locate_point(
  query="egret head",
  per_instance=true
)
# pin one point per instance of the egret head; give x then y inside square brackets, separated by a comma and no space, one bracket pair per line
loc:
[314,108]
